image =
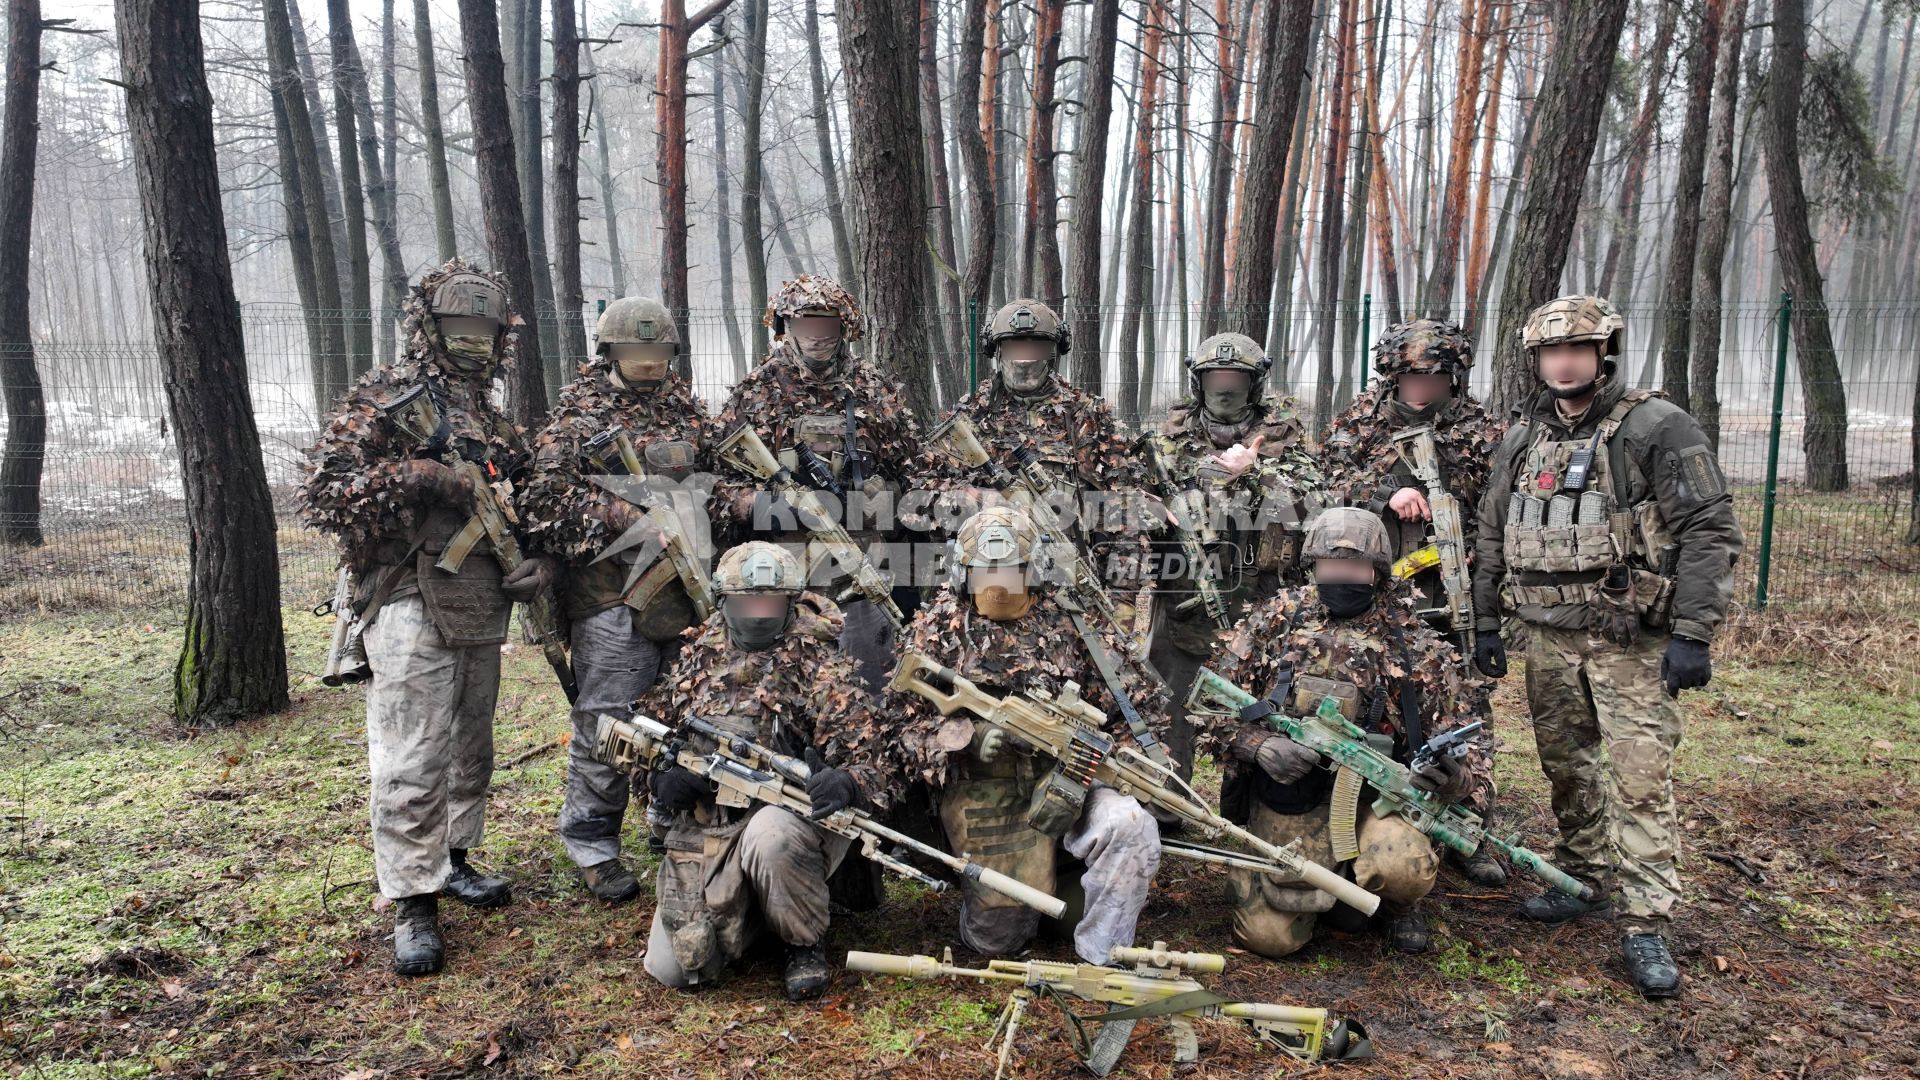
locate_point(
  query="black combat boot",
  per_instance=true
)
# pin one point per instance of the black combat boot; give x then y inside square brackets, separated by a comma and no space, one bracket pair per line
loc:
[610,881]
[473,888]
[1408,931]
[1481,867]
[807,972]
[1553,907]
[417,949]
[1650,966]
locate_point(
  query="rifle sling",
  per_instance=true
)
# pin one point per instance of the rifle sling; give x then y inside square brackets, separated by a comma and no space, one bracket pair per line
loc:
[1103,661]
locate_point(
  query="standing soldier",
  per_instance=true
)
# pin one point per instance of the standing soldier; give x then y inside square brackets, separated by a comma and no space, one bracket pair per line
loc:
[812,394]
[1237,473]
[627,594]
[766,666]
[1351,636]
[1607,528]
[389,480]
[1421,395]
[999,626]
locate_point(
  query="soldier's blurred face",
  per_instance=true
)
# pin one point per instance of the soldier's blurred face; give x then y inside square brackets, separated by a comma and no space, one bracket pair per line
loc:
[755,620]
[642,364]
[1422,388]
[1026,363]
[468,326]
[999,592]
[1344,572]
[1226,393]
[1569,369]
[816,336]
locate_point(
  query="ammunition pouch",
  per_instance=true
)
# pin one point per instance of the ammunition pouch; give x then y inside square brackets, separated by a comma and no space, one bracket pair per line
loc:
[1056,804]
[704,898]
[467,607]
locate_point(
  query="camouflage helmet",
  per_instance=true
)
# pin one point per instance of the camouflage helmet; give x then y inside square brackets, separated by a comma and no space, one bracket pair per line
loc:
[465,292]
[809,294]
[635,320]
[1423,347]
[758,567]
[1230,352]
[1574,319]
[1348,532]
[1025,318]
[996,536]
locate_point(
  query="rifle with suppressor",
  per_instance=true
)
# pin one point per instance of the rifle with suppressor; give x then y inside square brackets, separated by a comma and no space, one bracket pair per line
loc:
[612,453]
[1068,729]
[1344,747]
[416,414]
[1157,985]
[743,773]
[347,654]
[744,451]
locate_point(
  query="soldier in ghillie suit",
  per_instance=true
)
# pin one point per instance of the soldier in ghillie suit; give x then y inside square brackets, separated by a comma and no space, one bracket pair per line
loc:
[429,591]
[1421,382]
[1608,529]
[624,596]
[768,666]
[812,392]
[1353,636]
[1236,469]
[1000,626]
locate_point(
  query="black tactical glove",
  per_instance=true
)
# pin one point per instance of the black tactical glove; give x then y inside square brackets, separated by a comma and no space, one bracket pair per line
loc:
[1490,655]
[678,790]
[1445,778]
[829,790]
[528,580]
[1686,666]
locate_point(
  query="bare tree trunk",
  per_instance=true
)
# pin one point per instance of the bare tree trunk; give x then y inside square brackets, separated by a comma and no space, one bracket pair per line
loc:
[1285,34]
[1686,204]
[500,203]
[329,202]
[320,324]
[1469,62]
[1089,194]
[877,54]
[389,108]
[823,144]
[723,198]
[947,347]
[609,207]
[359,284]
[19,377]
[1825,437]
[1004,20]
[1332,206]
[670,129]
[525,98]
[1040,270]
[233,660]
[976,155]
[753,235]
[1388,288]
[1709,265]
[350,80]
[1567,118]
[570,293]
[1177,232]
[1620,254]
[441,187]
[1140,229]
[1477,247]
[1289,259]
[1213,285]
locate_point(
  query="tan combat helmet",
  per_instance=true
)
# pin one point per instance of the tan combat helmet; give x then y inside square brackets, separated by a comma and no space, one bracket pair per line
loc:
[1348,532]
[1025,318]
[635,320]
[467,292]
[996,536]
[1230,352]
[810,294]
[758,567]
[1574,319]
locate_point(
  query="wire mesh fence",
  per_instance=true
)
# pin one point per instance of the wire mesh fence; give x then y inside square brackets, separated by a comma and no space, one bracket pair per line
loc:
[116,532]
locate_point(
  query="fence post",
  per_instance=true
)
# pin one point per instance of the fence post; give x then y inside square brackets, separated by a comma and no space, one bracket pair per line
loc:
[1366,334]
[973,344]
[1773,455]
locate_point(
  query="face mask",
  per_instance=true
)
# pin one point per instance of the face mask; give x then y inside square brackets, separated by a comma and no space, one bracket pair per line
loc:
[1411,415]
[1344,600]
[643,369]
[1026,364]
[755,632]
[469,353]
[1226,395]
[818,351]
[1001,604]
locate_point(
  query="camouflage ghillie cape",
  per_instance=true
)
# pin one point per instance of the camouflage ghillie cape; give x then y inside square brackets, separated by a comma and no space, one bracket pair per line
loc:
[1074,432]
[801,693]
[1284,452]
[564,513]
[1362,469]
[353,490]
[1041,650]
[1293,628]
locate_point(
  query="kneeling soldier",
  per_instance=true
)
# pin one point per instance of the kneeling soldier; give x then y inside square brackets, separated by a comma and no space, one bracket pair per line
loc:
[1351,636]
[767,665]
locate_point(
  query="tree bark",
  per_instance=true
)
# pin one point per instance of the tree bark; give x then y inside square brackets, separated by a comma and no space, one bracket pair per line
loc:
[26,446]
[1825,399]
[609,207]
[1332,207]
[1213,286]
[1285,32]
[233,661]
[441,188]
[670,130]
[1140,229]
[570,294]
[1567,122]
[823,145]
[1388,288]
[1089,194]
[1040,262]
[753,234]
[1709,265]
[526,99]
[1620,254]
[877,56]
[977,158]
[350,80]
[1470,59]
[359,287]
[1477,247]
[1686,204]
[500,204]
[949,349]
[329,189]
[723,221]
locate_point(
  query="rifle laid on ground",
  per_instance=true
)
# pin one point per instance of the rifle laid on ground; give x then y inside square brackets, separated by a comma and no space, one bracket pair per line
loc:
[416,415]
[1449,547]
[1157,985]
[1069,730]
[612,453]
[347,654]
[743,773]
[1345,748]
[744,451]
[1206,582]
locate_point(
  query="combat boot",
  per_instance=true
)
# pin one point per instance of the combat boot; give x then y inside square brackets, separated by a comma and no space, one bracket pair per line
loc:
[807,972]
[473,888]
[1481,867]
[1650,966]
[417,948]
[1553,907]
[1408,931]
[610,881]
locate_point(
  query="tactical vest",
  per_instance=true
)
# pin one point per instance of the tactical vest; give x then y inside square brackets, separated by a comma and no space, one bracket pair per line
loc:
[1561,527]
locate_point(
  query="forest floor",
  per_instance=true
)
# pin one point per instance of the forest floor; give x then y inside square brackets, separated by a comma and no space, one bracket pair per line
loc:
[201,904]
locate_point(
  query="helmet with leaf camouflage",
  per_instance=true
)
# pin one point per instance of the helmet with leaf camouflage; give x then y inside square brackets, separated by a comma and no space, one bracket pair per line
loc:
[810,294]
